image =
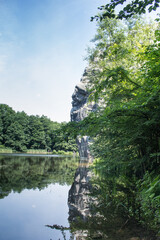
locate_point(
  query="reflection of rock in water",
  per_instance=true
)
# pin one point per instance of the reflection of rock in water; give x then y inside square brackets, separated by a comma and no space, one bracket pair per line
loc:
[104,224]
[79,200]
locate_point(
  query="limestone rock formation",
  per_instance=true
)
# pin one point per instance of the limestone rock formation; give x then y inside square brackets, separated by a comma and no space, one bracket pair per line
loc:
[81,107]
[79,100]
[83,147]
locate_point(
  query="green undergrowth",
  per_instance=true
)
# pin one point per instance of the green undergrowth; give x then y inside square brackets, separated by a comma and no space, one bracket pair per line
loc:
[61,152]
[40,151]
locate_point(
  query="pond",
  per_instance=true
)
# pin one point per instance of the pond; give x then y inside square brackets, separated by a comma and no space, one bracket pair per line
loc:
[33,194]
[47,197]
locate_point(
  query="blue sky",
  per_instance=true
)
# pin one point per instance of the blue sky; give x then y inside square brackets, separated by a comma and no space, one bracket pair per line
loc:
[42,48]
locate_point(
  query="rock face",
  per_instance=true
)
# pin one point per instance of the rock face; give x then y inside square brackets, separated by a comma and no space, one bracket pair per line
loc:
[83,147]
[79,100]
[80,109]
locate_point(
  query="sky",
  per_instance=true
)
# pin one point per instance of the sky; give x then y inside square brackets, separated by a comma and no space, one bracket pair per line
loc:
[42,48]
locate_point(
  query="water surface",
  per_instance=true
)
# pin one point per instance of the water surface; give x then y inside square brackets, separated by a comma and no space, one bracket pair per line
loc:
[50,198]
[34,193]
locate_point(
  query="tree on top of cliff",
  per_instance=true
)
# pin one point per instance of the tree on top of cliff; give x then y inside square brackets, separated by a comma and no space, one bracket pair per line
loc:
[130,9]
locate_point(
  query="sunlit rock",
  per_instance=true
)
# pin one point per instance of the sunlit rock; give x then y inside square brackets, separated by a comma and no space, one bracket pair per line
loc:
[81,108]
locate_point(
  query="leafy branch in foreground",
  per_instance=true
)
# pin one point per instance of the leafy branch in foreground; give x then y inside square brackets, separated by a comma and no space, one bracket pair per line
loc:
[129,9]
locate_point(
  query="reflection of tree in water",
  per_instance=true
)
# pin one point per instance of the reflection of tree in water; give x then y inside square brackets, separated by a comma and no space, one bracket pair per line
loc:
[62,229]
[18,173]
[91,218]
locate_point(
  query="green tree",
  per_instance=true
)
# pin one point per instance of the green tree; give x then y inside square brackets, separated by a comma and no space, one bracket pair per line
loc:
[129,9]
[37,134]
[21,132]
[1,131]
[6,115]
[63,140]
[15,137]
[23,119]
[49,128]
[124,80]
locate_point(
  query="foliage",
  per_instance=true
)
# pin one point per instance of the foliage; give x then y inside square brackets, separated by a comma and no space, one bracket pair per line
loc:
[128,10]
[20,132]
[149,199]
[63,139]
[124,81]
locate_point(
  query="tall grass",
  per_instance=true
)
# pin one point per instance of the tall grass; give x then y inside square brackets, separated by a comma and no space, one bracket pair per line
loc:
[6,150]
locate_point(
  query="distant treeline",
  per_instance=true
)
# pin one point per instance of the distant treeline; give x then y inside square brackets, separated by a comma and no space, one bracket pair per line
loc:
[20,132]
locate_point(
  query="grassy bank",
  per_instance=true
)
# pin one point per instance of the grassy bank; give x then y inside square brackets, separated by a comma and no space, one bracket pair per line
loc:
[6,150]
[40,151]
[61,152]
[37,151]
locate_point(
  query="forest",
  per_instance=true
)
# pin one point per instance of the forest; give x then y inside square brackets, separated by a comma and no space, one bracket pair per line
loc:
[124,80]
[21,132]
